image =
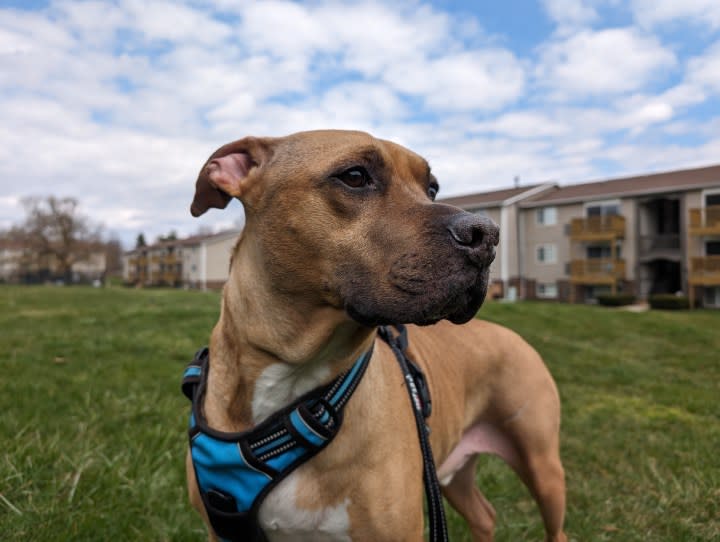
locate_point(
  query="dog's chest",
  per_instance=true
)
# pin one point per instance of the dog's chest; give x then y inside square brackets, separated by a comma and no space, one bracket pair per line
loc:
[283,520]
[281,516]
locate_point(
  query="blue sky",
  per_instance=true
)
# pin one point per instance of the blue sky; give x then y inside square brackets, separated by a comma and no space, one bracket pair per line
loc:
[118,103]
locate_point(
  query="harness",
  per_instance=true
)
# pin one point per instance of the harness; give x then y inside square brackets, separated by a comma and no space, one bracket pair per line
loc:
[236,471]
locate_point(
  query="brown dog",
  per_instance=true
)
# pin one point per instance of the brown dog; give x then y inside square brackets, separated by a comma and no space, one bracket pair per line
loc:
[341,235]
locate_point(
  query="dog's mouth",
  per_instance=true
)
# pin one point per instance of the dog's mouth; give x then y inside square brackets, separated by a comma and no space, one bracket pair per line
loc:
[457,298]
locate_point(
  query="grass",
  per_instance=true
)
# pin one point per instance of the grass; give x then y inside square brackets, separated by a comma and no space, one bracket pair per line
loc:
[93,422]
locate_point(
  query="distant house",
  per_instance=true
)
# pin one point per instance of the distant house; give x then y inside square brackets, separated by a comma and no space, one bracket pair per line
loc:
[642,235]
[19,264]
[200,261]
[11,256]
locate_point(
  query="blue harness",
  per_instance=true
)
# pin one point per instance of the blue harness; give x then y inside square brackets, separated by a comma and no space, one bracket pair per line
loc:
[236,471]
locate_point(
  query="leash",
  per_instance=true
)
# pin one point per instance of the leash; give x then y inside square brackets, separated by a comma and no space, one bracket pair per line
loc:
[420,400]
[236,471]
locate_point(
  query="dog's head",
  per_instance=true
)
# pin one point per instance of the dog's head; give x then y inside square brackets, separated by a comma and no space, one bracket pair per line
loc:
[344,219]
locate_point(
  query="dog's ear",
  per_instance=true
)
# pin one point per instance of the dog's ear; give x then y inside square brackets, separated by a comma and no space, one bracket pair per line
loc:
[227,173]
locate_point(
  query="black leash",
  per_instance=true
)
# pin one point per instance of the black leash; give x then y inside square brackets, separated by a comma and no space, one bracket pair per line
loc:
[420,400]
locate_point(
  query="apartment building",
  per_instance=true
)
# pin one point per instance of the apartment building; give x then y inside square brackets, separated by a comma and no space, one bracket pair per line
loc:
[200,261]
[641,235]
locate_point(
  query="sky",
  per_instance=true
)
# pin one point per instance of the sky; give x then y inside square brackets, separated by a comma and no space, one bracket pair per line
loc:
[119,103]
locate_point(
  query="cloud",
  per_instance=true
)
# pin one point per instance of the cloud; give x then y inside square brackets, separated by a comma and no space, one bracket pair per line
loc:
[651,13]
[603,62]
[570,12]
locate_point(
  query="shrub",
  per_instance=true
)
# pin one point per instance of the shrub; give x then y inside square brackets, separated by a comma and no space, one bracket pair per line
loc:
[669,302]
[617,300]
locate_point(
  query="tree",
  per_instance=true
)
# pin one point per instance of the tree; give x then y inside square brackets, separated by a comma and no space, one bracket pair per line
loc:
[113,256]
[140,241]
[56,234]
[172,236]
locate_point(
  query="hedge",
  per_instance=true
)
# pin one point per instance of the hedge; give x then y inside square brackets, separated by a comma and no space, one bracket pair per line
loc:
[669,302]
[617,300]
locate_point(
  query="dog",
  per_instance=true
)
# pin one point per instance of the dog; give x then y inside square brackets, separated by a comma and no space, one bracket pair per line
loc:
[342,235]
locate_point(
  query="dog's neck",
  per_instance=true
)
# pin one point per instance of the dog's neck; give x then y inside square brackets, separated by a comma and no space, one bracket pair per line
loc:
[268,348]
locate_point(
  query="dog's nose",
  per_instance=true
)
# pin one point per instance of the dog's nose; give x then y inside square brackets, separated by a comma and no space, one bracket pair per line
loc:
[476,234]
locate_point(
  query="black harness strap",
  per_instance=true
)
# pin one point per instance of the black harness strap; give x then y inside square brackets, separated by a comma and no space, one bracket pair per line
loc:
[420,400]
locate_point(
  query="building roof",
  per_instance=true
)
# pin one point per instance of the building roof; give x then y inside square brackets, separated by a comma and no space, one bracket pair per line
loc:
[669,181]
[488,199]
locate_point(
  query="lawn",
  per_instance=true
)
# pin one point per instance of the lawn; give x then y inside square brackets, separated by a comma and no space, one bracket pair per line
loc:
[93,423]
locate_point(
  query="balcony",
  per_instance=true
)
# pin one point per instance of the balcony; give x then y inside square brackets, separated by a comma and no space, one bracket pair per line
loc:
[598,228]
[170,277]
[705,221]
[705,271]
[597,271]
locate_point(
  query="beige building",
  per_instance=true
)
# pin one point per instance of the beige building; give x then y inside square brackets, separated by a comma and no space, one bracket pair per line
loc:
[641,235]
[201,261]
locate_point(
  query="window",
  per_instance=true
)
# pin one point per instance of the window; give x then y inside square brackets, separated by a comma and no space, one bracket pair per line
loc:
[547,290]
[712,199]
[712,248]
[546,253]
[603,251]
[546,216]
[712,297]
[596,252]
[603,208]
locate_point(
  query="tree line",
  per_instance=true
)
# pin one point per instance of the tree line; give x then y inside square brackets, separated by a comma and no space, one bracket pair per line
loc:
[53,237]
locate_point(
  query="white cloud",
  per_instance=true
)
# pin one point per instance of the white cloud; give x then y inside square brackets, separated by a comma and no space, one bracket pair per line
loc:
[657,12]
[570,12]
[525,124]
[603,62]
[701,80]
[704,70]
[483,80]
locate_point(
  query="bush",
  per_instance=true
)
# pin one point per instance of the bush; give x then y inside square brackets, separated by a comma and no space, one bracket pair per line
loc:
[617,300]
[669,302]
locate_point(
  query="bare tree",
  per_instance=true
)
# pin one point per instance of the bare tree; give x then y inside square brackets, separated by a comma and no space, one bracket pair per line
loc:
[113,256]
[56,234]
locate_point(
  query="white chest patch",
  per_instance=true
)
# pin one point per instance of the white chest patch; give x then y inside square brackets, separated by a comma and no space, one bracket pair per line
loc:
[279,384]
[283,521]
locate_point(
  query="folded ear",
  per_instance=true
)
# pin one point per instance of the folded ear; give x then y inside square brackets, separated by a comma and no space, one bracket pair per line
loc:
[227,174]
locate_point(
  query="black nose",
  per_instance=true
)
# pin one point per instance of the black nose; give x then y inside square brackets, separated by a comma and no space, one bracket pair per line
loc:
[474,233]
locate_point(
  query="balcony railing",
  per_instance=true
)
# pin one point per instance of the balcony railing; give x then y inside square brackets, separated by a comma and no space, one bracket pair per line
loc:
[597,271]
[705,221]
[170,277]
[705,271]
[598,227]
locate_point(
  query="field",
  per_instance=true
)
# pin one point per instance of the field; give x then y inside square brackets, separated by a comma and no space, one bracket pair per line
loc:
[93,422]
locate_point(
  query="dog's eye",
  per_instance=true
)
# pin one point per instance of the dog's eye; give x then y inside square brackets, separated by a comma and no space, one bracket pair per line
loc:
[432,191]
[355,177]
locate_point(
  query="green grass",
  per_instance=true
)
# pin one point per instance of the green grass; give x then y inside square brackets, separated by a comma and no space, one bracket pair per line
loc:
[93,423]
